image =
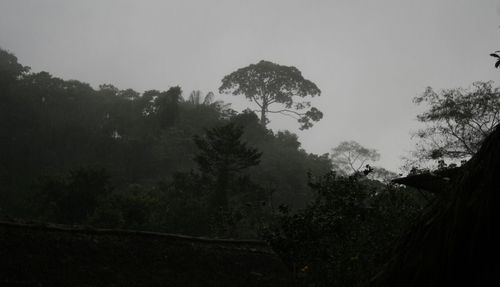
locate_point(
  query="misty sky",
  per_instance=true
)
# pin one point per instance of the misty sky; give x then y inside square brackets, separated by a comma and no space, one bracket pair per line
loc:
[369,58]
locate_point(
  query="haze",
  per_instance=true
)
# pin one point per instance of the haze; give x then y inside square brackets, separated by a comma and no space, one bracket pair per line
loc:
[369,59]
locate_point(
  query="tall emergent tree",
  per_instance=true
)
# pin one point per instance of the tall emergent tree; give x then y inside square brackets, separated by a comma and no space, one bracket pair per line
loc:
[267,84]
[457,121]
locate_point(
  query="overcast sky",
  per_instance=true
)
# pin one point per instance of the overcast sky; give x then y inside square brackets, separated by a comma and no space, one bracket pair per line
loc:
[369,58]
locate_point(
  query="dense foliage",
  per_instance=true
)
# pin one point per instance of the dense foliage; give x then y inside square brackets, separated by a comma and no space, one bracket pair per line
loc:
[351,157]
[456,121]
[342,237]
[268,84]
[153,161]
[53,128]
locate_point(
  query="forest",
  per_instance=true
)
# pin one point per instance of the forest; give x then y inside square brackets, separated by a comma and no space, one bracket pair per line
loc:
[182,162]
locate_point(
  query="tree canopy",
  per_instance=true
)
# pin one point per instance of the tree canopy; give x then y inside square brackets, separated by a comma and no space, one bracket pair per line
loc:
[222,155]
[117,158]
[350,157]
[457,121]
[51,126]
[268,84]
[10,69]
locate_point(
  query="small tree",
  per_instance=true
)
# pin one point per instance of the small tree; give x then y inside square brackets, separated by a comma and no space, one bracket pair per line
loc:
[351,157]
[222,155]
[457,121]
[196,98]
[267,84]
[167,104]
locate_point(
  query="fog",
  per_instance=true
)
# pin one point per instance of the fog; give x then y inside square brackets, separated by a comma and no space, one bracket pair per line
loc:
[368,58]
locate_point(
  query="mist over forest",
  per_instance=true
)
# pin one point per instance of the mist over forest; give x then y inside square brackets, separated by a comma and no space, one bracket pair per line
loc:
[103,185]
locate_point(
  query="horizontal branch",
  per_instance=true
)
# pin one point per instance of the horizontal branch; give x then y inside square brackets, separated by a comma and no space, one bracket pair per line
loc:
[286,111]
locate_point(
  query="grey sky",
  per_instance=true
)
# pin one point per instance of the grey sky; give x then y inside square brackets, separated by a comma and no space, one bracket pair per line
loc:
[369,58]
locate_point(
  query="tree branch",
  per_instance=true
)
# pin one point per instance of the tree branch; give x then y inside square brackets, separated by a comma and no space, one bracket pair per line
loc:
[257,102]
[459,138]
[286,111]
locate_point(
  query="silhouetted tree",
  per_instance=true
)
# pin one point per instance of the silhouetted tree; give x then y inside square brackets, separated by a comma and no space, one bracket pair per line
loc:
[168,106]
[351,157]
[196,98]
[222,155]
[50,125]
[457,121]
[455,242]
[10,70]
[267,84]
[341,237]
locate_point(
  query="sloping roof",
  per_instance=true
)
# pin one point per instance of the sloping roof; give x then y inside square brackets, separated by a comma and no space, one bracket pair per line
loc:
[38,255]
[435,182]
[456,241]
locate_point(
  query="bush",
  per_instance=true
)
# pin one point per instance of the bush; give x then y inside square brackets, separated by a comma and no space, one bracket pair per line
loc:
[344,234]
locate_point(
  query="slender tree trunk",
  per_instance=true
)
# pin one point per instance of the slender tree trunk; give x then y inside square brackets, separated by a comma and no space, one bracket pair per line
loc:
[263,119]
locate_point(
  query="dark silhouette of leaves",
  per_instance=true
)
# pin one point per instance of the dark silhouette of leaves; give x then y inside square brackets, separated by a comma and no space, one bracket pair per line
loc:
[267,84]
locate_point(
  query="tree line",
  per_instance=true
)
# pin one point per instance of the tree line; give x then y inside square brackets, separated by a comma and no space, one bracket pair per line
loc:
[163,161]
[59,129]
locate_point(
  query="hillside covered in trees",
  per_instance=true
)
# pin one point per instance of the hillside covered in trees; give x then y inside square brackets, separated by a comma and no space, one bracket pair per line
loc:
[53,127]
[177,162]
[169,161]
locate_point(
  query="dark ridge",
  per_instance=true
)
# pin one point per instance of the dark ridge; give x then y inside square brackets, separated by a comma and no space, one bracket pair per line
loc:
[435,182]
[455,243]
[50,255]
[102,231]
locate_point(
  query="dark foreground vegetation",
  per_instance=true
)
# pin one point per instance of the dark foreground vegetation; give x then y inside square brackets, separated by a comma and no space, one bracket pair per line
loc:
[55,256]
[455,242]
[163,161]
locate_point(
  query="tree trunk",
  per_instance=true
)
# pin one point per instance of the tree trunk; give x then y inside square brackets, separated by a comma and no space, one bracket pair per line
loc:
[263,119]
